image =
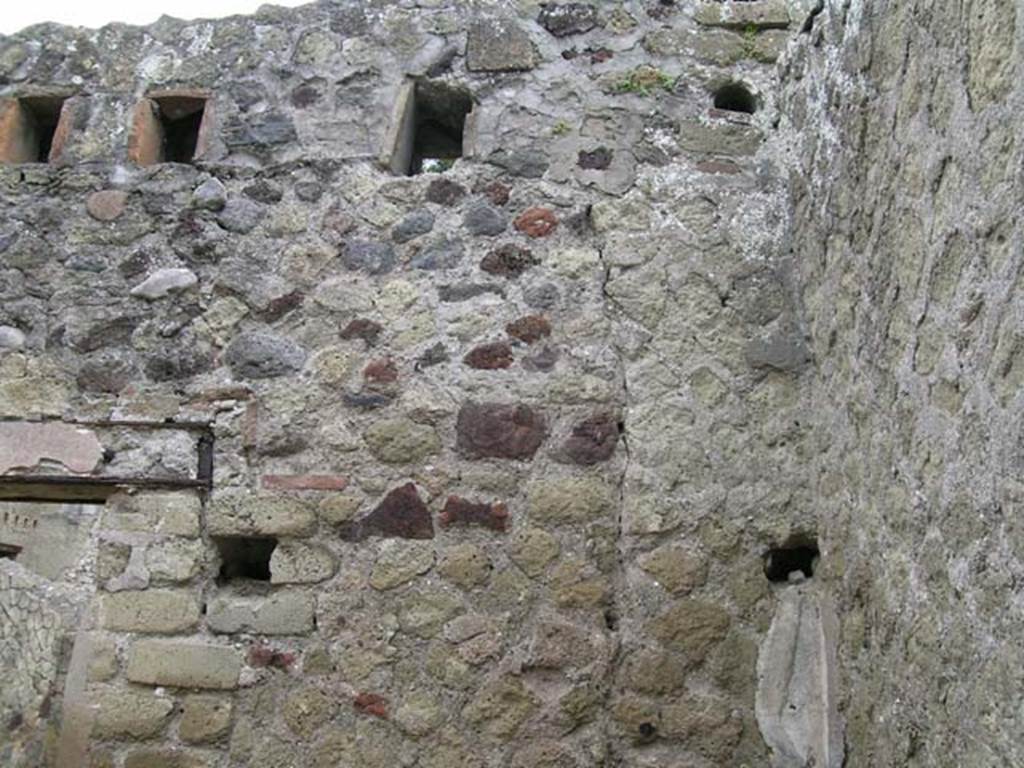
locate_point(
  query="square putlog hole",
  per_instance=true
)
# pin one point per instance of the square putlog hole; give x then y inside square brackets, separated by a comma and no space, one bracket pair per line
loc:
[794,561]
[428,132]
[29,127]
[244,558]
[169,129]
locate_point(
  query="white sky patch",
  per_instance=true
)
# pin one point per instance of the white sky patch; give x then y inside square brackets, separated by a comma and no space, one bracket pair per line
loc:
[15,15]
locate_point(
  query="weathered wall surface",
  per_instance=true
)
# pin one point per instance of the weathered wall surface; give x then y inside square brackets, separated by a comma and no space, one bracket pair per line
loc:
[522,430]
[907,248]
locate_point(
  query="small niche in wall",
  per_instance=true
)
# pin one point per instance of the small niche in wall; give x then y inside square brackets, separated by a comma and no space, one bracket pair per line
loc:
[795,560]
[169,127]
[428,129]
[244,558]
[29,127]
[735,97]
[9,552]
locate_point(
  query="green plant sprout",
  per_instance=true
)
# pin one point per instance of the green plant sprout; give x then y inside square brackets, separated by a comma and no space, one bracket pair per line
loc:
[644,81]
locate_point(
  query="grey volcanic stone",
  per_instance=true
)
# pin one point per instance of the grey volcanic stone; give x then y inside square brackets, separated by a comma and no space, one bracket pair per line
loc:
[415,224]
[444,254]
[309,191]
[543,296]
[445,192]
[368,256]
[107,371]
[179,358]
[260,355]
[498,45]
[164,282]
[527,163]
[466,291]
[484,219]
[262,191]
[781,350]
[210,195]
[260,131]
[562,20]
[240,215]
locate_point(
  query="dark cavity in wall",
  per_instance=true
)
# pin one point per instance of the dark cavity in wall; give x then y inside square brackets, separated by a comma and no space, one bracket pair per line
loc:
[244,558]
[9,552]
[429,127]
[29,127]
[735,97]
[796,556]
[168,128]
[181,118]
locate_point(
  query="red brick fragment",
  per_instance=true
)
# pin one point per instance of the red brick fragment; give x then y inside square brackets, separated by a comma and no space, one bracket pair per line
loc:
[529,328]
[262,656]
[281,306]
[383,371]
[364,329]
[489,356]
[593,440]
[401,515]
[371,704]
[508,261]
[500,431]
[460,511]
[536,222]
[496,192]
[305,482]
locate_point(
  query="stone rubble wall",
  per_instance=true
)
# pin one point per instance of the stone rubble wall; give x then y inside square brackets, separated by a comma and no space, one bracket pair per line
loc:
[523,430]
[904,118]
[41,606]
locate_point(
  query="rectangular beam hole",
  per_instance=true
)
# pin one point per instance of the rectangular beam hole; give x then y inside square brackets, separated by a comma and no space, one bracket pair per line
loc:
[429,127]
[168,129]
[181,117]
[28,129]
[244,558]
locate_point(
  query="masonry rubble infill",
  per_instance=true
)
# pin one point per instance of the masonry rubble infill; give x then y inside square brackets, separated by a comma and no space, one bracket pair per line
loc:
[455,381]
